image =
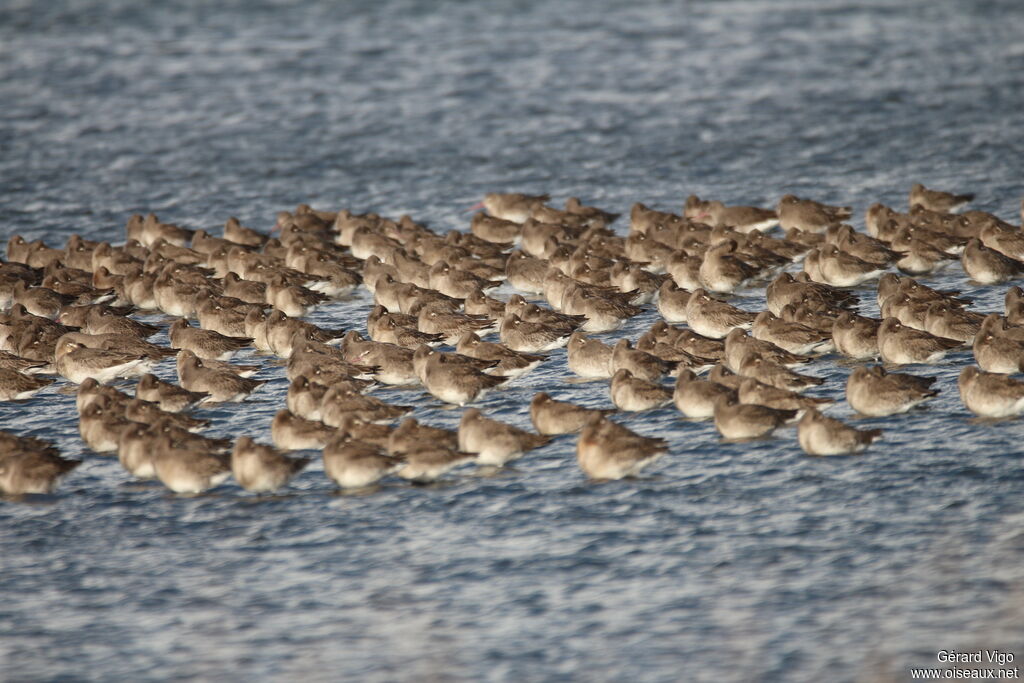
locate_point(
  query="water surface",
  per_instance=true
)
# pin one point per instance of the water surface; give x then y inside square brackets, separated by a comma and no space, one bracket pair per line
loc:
[727,561]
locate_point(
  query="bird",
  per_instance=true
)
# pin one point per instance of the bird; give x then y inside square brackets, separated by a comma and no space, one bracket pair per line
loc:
[509,363]
[454,382]
[695,398]
[354,464]
[752,391]
[856,336]
[76,362]
[410,435]
[168,396]
[714,318]
[779,376]
[430,462]
[33,470]
[808,215]
[738,343]
[988,266]
[588,357]
[721,271]
[899,344]
[990,394]
[531,337]
[205,343]
[191,470]
[937,200]
[221,385]
[672,301]
[550,416]
[515,207]
[17,386]
[640,364]
[608,451]
[136,445]
[339,401]
[822,435]
[790,336]
[289,432]
[739,421]
[494,229]
[632,393]
[100,425]
[874,392]
[495,443]
[842,269]
[744,219]
[451,326]
[260,468]
[997,349]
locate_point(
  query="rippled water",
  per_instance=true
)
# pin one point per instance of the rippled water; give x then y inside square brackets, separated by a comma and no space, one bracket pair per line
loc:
[725,562]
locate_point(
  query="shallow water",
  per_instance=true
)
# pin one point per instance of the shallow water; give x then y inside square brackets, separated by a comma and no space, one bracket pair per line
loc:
[726,561]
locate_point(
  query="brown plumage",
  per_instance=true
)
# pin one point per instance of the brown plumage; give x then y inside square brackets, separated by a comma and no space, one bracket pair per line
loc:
[821,435]
[261,468]
[606,450]
[28,470]
[560,417]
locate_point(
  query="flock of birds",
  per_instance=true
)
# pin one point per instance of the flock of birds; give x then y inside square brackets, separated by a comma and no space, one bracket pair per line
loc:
[68,314]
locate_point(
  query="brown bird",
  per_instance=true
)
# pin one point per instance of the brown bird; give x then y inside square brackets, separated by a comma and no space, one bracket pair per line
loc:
[76,362]
[753,391]
[528,337]
[589,358]
[695,398]
[411,435]
[169,397]
[17,386]
[988,266]
[261,468]
[855,336]
[874,392]
[354,464]
[513,207]
[560,417]
[191,470]
[998,349]
[989,394]
[495,443]
[430,462]
[606,450]
[205,343]
[735,420]
[809,215]
[776,375]
[740,218]
[900,344]
[713,318]
[634,394]
[509,363]
[290,432]
[221,385]
[32,470]
[454,382]
[937,200]
[640,364]
[821,435]
[738,344]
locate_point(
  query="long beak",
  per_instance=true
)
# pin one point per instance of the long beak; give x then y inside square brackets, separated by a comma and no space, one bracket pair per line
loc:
[475,207]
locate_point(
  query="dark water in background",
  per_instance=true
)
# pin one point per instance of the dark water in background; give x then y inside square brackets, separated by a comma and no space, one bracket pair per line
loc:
[730,561]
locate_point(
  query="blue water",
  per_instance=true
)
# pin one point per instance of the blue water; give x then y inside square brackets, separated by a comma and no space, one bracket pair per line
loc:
[726,562]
